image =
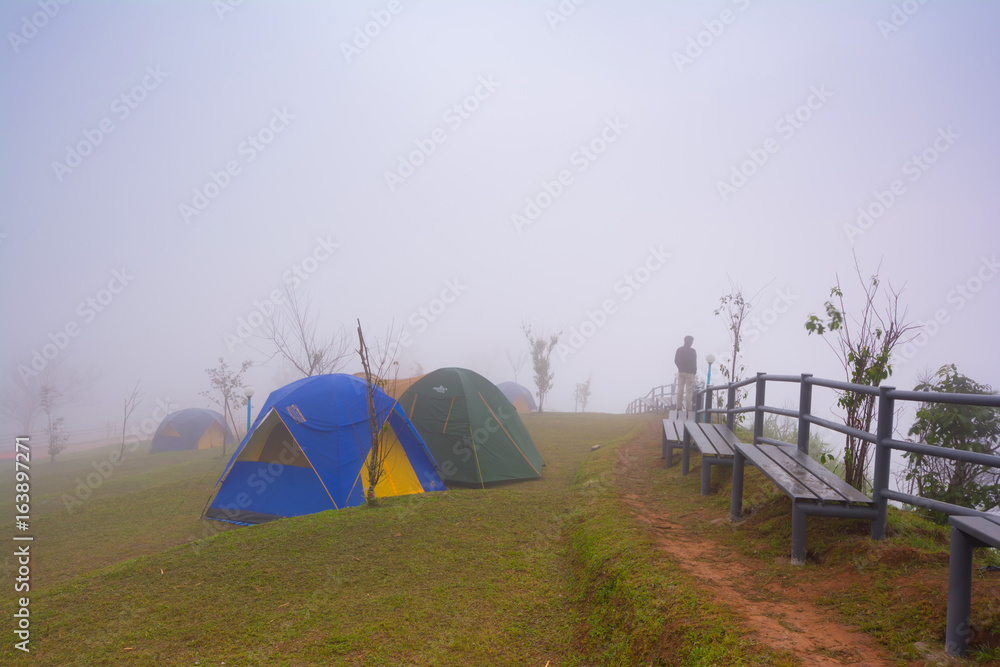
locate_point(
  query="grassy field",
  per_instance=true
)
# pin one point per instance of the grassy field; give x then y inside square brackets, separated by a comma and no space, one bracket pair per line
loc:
[551,572]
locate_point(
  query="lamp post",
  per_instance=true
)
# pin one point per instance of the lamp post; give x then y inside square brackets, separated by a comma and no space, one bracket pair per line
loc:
[248,392]
[711,360]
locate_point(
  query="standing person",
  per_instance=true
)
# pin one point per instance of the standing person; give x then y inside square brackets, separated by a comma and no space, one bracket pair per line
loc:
[686,360]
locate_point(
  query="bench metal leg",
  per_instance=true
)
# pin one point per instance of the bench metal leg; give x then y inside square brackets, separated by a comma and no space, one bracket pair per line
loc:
[736,503]
[706,476]
[959,593]
[798,535]
[663,442]
[670,456]
[686,455]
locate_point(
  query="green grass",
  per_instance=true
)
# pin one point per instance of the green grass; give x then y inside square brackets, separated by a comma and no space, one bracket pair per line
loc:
[145,504]
[462,577]
[553,570]
[638,605]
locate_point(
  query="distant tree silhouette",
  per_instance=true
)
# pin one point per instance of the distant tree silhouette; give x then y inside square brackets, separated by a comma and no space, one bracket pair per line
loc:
[541,349]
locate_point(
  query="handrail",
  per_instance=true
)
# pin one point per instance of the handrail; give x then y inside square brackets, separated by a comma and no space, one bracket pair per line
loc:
[977,458]
[844,386]
[782,378]
[983,400]
[840,428]
[880,436]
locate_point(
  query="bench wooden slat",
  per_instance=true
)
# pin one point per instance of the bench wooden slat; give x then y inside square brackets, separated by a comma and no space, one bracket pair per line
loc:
[673,430]
[833,488]
[981,528]
[726,434]
[774,470]
[802,477]
[699,439]
[719,443]
[673,436]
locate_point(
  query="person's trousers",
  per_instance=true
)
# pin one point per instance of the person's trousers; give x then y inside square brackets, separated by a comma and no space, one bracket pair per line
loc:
[685,390]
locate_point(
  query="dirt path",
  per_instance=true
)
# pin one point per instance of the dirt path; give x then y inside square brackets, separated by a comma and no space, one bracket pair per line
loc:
[783,616]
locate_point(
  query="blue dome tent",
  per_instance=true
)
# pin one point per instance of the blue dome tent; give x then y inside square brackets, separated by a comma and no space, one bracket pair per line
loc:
[308,450]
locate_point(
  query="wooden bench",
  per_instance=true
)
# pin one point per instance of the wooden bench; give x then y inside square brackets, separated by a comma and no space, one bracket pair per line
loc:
[715,442]
[814,490]
[967,533]
[673,438]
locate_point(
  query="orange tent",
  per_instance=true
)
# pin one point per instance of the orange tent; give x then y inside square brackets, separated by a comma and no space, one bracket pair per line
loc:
[394,387]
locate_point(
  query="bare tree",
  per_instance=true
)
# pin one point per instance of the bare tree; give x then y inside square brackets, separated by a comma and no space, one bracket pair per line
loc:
[864,344]
[21,405]
[48,398]
[517,361]
[132,400]
[377,373]
[228,385]
[734,309]
[292,331]
[45,395]
[582,394]
[541,349]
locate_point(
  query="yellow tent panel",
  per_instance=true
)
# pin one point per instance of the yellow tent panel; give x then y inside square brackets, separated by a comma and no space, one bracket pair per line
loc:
[399,479]
[521,404]
[212,437]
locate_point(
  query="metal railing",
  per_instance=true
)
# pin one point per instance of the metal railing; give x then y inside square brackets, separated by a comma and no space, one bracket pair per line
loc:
[659,399]
[882,438]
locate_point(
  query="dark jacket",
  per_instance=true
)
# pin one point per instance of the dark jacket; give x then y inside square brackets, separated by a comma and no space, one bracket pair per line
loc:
[686,359]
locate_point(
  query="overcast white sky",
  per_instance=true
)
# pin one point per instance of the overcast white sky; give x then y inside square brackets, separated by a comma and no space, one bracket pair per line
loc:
[309,115]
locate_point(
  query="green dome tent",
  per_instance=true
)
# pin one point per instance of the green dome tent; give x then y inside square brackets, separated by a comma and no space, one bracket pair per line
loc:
[473,431]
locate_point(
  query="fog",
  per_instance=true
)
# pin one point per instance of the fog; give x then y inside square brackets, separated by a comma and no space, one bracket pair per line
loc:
[454,170]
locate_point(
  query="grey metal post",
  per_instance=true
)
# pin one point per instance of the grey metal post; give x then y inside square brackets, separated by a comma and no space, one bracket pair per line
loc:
[958,628]
[805,409]
[685,453]
[706,476]
[798,535]
[730,404]
[708,406]
[758,414]
[883,459]
[736,500]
